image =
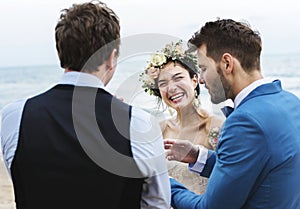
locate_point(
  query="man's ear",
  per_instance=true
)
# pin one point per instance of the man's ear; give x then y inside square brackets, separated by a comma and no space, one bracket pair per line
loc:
[227,63]
[111,62]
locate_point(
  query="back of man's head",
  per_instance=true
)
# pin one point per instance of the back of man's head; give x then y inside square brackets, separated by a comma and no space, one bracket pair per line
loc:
[84,29]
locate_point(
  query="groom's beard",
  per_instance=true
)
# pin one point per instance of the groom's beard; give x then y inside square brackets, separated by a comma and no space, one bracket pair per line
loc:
[219,89]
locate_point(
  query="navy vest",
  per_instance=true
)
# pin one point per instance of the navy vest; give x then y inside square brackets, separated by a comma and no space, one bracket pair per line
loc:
[52,167]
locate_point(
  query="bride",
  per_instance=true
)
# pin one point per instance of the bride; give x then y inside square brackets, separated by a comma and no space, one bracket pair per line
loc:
[172,76]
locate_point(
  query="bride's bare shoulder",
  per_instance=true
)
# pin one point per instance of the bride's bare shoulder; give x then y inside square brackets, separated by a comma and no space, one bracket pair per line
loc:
[166,123]
[216,121]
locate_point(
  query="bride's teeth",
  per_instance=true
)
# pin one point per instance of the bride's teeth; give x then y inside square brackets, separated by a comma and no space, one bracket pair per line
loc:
[175,97]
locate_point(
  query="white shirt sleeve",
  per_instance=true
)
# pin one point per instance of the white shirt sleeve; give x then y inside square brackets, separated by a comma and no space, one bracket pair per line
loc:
[10,126]
[148,152]
[201,160]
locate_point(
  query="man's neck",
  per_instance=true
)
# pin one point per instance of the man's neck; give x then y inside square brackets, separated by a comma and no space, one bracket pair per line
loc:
[247,90]
[245,80]
[97,74]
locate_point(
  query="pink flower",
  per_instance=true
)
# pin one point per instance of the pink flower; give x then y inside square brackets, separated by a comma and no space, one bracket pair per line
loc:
[153,72]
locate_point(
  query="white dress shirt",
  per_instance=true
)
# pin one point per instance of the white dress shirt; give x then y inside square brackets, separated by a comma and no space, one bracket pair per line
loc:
[147,149]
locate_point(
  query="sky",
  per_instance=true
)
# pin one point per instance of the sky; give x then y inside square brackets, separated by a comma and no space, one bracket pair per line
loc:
[27,27]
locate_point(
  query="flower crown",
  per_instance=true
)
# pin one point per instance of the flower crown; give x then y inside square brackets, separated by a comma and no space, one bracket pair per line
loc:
[171,52]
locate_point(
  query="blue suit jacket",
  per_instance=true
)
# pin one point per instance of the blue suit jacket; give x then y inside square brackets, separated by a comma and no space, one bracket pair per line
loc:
[257,161]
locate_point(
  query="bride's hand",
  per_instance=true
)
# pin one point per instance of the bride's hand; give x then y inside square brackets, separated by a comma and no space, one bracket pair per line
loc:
[181,150]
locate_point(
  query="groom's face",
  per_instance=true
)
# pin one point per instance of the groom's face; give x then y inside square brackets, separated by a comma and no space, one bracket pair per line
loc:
[211,76]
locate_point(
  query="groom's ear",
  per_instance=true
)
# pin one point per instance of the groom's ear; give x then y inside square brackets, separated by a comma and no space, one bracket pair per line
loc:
[227,63]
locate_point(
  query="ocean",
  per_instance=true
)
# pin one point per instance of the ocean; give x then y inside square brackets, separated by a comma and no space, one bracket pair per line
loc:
[25,81]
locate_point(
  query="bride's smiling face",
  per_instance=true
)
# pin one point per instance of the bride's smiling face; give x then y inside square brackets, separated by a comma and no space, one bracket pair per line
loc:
[175,86]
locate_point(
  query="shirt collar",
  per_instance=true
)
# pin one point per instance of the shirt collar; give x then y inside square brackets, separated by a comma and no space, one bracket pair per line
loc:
[246,91]
[81,79]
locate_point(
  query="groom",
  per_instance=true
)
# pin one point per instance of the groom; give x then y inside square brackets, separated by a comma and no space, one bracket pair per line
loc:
[258,154]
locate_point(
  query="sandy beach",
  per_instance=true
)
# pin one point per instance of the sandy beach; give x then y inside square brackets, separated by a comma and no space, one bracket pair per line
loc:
[6,189]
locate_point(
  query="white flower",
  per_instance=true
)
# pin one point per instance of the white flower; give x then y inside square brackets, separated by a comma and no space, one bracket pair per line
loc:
[179,49]
[158,59]
[215,130]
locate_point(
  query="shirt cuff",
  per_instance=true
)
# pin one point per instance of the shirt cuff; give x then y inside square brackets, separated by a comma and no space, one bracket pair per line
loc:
[201,160]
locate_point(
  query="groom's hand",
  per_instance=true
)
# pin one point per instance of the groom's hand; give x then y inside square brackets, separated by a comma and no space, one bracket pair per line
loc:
[181,150]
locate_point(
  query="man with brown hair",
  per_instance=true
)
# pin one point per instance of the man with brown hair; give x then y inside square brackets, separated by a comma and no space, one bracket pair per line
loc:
[76,146]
